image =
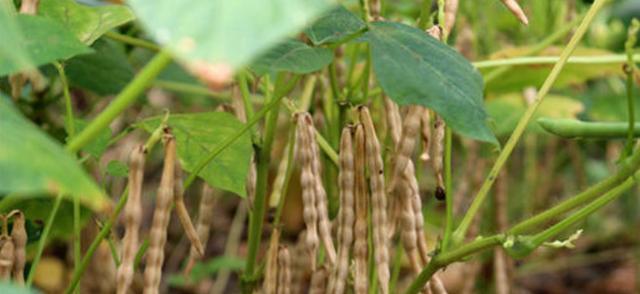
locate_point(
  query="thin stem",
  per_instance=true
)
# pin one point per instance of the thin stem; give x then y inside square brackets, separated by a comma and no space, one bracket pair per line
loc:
[132,41]
[43,239]
[535,60]
[106,230]
[461,231]
[71,131]
[425,12]
[630,70]
[189,89]
[448,228]
[587,196]
[121,102]
[263,158]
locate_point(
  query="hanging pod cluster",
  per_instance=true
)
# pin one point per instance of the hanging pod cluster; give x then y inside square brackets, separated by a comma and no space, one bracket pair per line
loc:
[170,193]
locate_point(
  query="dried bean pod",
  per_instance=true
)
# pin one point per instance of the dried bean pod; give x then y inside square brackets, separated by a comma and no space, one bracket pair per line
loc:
[405,147]
[19,236]
[515,8]
[438,158]
[360,227]
[319,281]
[425,132]
[270,283]
[183,213]
[337,280]
[7,257]
[284,271]
[203,226]
[378,200]
[132,219]
[161,216]
[304,153]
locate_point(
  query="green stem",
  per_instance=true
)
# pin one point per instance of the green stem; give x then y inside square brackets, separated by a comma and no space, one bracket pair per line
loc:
[106,230]
[572,128]
[583,213]
[43,239]
[132,41]
[536,60]
[448,228]
[71,131]
[461,231]
[263,158]
[425,12]
[121,102]
[189,89]
[586,196]
[630,70]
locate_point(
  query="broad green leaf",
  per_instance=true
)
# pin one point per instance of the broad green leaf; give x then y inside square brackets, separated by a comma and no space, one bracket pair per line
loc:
[226,33]
[197,134]
[105,72]
[414,68]
[117,168]
[202,270]
[293,56]
[334,26]
[33,164]
[523,76]
[506,110]
[34,41]
[86,22]
[98,145]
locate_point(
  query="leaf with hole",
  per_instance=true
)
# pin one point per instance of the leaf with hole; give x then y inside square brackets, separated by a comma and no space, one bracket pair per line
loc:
[33,164]
[228,33]
[88,23]
[199,133]
[415,68]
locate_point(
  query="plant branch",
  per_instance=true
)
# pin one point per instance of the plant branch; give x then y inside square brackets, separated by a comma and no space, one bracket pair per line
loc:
[535,60]
[121,102]
[461,231]
[133,41]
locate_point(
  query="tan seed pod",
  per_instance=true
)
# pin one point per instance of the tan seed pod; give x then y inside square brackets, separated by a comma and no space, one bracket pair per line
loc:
[270,282]
[304,153]
[319,281]
[161,216]
[250,184]
[378,200]
[408,232]
[7,257]
[19,236]
[515,8]
[416,205]
[425,132]
[300,264]
[360,226]
[324,225]
[203,226]
[438,158]
[183,213]
[374,9]
[450,10]
[337,280]
[284,271]
[436,286]
[132,219]
[394,122]
[406,146]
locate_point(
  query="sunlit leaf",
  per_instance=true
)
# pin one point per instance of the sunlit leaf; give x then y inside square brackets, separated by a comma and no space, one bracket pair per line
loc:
[197,134]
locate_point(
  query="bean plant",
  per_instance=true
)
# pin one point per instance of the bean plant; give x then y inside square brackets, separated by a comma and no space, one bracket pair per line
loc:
[313,146]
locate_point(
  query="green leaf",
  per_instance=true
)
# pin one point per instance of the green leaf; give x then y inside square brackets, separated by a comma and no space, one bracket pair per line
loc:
[105,72]
[199,133]
[228,33]
[117,168]
[10,288]
[34,41]
[523,76]
[334,26]
[414,68]
[202,270]
[98,145]
[293,56]
[86,22]
[506,110]
[33,164]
